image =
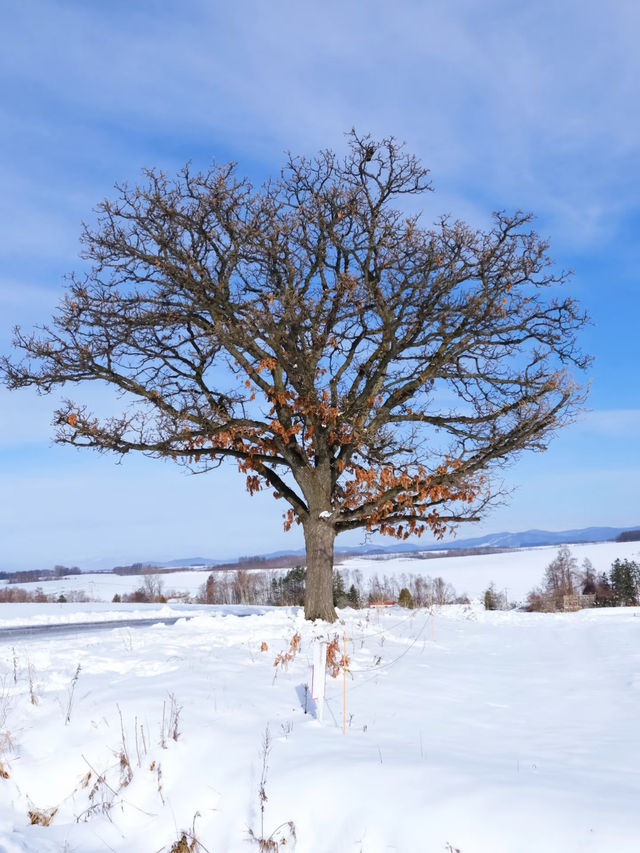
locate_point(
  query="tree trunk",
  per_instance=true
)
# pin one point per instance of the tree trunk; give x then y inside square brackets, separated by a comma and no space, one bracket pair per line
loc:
[319,536]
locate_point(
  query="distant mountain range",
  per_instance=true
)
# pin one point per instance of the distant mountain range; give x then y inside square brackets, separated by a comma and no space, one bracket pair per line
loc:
[533,538]
[524,539]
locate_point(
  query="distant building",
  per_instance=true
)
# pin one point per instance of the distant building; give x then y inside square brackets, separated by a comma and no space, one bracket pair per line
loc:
[571,603]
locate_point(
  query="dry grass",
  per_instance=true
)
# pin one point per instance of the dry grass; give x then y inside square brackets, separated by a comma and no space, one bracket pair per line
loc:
[71,691]
[5,738]
[184,845]
[282,836]
[42,817]
[170,728]
[285,833]
[126,772]
[32,682]
[188,841]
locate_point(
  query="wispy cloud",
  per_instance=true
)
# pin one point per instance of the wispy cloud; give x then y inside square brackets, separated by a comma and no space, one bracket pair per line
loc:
[619,423]
[531,104]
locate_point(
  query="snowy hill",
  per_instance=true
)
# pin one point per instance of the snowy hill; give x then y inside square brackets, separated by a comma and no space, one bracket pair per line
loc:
[524,539]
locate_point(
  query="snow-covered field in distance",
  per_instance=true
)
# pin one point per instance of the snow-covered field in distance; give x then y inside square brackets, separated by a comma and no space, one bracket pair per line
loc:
[484,732]
[516,571]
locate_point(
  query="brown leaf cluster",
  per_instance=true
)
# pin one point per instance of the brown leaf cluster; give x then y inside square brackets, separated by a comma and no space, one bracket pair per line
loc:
[284,658]
[337,660]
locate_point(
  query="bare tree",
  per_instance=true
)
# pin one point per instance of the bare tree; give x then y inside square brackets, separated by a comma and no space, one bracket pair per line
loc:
[587,577]
[560,576]
[152,584]
[370,371]
[443,592]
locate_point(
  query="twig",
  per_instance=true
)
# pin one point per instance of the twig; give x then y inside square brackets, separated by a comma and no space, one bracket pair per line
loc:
[74,681]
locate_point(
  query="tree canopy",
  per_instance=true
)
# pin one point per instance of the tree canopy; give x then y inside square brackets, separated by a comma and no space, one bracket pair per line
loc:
[368,369]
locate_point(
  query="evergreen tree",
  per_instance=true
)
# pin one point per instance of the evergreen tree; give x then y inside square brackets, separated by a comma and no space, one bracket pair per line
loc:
[339,592]
[276,590]
[210,590]
[625,581]
[353,597]
[405,599]
[288,589]
[604,593]
[490,602]
[296,579]
[494,600]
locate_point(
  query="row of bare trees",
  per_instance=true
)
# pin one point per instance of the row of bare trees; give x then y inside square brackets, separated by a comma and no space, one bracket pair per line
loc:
[350,589]
[19,595]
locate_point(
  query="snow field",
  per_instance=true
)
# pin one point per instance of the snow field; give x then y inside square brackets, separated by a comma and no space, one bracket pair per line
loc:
[493,732]
[516,571]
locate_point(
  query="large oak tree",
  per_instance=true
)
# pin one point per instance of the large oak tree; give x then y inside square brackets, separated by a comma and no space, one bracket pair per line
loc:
[370,371]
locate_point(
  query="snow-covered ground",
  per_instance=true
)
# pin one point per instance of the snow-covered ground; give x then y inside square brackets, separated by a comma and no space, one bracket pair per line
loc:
[499,732]
[516,571]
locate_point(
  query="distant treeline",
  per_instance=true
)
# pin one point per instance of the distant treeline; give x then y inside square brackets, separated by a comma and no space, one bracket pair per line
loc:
[475,551]
[18,595]
[40,575]
[628,536]
[286,561]
[146,569]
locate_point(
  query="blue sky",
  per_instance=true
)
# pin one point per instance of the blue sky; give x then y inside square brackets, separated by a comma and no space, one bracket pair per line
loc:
[511,105]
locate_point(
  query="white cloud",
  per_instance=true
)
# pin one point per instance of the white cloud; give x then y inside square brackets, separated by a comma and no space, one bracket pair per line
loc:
[519,105]
[528,105]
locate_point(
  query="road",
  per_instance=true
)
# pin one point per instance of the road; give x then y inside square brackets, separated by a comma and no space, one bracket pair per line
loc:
[24,632]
